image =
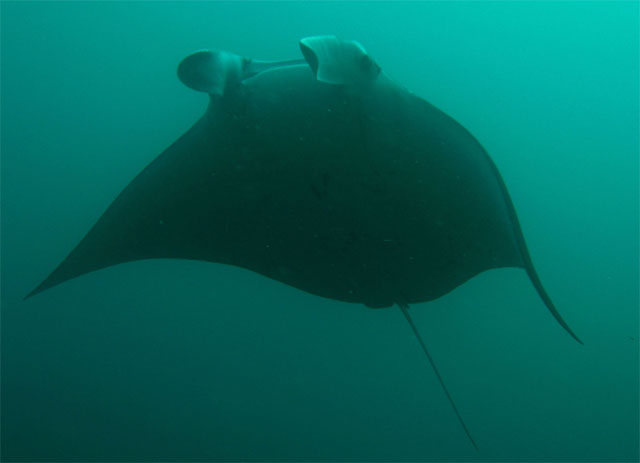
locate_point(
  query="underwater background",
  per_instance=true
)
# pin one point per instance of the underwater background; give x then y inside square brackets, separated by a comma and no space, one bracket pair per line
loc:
[174,360]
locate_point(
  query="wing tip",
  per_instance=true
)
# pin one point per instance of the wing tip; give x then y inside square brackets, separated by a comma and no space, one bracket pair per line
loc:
[38,289]
[537,284]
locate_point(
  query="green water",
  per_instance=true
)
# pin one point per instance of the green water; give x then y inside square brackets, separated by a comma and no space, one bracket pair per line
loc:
[173,360]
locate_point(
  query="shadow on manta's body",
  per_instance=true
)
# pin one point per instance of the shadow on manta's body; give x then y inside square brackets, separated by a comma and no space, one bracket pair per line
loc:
[321,173]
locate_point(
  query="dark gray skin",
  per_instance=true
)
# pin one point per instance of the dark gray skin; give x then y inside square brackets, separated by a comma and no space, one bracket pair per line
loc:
[362,193]
[366,194]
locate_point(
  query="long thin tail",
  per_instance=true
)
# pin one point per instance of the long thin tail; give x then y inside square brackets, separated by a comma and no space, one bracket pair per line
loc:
[405,311]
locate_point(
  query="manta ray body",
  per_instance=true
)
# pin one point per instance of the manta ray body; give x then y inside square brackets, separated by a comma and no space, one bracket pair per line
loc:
[321,173]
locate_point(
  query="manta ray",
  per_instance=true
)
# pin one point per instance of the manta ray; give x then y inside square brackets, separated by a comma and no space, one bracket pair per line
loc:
[321,173]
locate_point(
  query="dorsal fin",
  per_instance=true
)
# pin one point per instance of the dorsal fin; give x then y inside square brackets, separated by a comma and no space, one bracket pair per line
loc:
[338,62]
